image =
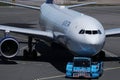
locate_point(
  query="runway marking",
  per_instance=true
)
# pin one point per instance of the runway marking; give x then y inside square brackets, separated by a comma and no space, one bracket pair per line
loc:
[23,48]
[22,38]
[110,54]
[107,69]
[19,37]
[52,77]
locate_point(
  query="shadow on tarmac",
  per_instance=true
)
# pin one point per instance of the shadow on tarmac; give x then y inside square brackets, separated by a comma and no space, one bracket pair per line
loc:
[57,56]
[111,59]
[7,62]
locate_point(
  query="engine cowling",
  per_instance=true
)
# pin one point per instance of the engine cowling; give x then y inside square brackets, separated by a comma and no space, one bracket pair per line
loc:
[9,47]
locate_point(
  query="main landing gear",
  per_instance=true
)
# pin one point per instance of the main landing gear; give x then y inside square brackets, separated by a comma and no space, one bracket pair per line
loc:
[30,53]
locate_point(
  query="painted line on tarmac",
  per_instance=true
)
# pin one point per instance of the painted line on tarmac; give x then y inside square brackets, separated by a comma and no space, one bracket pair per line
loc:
[110,54]
[23,48]
[53,77]
[21,38]
[108,69]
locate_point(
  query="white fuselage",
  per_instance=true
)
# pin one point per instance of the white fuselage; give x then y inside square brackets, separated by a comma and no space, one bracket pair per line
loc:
[80,33]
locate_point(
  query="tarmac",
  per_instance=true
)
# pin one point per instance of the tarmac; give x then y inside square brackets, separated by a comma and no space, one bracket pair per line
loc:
[45,67]
[39,2]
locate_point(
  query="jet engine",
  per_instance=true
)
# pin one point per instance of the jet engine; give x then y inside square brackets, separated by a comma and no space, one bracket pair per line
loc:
[9,47]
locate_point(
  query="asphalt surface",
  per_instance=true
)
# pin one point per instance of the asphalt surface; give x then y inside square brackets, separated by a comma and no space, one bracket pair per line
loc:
[53,68]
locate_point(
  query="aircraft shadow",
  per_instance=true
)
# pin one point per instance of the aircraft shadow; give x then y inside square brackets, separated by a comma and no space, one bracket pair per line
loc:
[111,59]
[57,56]
[7,62]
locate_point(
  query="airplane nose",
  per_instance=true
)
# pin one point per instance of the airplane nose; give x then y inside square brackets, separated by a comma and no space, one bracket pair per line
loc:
[93,40]
[92,46]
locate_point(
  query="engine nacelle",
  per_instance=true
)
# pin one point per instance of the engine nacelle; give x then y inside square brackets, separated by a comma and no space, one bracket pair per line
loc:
[9,47]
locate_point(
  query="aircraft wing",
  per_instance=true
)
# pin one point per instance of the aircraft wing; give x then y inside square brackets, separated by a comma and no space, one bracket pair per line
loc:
[112,32]
[21,5]
[38,8]
[79,5]
[26,31]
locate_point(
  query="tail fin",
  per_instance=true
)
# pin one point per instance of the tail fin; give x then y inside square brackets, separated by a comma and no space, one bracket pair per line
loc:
[49,1]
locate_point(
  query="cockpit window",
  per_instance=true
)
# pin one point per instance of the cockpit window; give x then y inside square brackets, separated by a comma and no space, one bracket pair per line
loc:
[90,32]
[82,31]
[99,32]
[95,32]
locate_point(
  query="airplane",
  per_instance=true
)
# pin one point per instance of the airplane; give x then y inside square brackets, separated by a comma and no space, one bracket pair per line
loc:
[81,34]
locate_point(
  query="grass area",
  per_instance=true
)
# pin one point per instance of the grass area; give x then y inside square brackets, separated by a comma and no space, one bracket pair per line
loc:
[3,4]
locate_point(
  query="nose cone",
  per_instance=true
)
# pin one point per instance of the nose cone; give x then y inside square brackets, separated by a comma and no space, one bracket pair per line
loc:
[93,44]
[94,40]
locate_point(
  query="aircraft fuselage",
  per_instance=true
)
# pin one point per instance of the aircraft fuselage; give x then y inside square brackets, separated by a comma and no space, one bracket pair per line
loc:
[80,33]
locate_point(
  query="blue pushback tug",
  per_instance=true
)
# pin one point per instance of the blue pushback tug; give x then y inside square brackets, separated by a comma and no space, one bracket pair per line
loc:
[83,67]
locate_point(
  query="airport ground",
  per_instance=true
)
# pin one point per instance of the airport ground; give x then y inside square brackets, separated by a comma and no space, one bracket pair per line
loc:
[37,2]
[46,68]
